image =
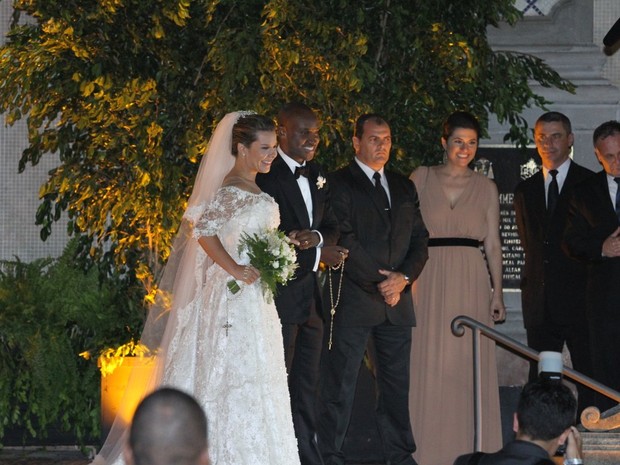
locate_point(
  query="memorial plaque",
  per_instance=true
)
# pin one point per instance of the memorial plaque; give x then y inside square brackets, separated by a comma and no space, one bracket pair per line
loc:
[508,166]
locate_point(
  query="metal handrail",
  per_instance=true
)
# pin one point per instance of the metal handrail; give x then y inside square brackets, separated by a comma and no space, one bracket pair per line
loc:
[458,329]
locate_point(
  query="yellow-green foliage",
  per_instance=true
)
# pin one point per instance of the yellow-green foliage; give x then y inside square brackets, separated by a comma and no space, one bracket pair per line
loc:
[126,93]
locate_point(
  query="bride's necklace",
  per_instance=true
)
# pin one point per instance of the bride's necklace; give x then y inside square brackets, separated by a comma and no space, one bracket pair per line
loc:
[332,311]
[241,178]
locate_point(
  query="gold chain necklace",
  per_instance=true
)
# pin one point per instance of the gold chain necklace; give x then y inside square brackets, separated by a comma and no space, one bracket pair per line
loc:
[332,311]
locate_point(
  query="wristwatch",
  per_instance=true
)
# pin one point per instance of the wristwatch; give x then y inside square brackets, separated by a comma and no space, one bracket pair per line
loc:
[407,279]
[575,461]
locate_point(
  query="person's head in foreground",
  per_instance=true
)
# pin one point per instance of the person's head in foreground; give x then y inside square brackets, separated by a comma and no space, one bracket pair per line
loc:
[168,428]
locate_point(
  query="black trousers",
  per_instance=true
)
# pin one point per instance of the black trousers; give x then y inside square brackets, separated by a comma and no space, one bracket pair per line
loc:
[577,339]
[339,371]
[605,334]
[302,351]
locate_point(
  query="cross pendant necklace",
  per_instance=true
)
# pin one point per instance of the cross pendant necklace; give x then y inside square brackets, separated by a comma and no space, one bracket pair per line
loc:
[227,325]
[339,266]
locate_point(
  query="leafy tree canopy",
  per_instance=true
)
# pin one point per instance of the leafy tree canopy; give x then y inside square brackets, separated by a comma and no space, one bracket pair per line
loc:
[126,93]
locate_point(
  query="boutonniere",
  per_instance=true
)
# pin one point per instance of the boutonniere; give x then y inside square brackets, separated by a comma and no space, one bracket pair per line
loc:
[320,182]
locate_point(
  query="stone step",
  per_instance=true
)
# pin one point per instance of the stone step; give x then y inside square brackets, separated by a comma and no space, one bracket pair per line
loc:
[601,448]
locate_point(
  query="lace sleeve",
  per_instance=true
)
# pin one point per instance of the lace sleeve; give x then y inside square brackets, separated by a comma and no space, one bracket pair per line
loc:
[218,213]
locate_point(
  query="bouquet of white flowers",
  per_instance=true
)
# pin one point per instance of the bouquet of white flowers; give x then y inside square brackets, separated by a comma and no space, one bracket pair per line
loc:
[273,255]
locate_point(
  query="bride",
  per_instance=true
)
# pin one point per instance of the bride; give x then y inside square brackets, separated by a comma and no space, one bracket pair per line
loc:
[223,348]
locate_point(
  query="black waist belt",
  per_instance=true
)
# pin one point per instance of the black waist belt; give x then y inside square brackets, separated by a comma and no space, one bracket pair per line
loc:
[453,242]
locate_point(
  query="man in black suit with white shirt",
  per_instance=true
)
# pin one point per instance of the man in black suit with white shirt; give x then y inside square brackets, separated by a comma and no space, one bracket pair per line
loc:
[299,186]
[593,236]
[553,285]
[382,228]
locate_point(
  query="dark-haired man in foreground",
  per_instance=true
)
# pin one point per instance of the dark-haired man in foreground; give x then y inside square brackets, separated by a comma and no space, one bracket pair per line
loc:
[543,422]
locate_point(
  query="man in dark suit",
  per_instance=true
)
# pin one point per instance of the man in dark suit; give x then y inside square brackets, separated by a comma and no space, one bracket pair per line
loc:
[299,186]
[543,422]
[553,285]
[381,226]
[593,235]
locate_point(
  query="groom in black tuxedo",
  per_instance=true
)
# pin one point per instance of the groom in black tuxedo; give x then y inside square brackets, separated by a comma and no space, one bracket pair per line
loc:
[382,228]
[299,186]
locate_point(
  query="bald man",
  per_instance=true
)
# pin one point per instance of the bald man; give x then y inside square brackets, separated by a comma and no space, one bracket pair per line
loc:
[169,427]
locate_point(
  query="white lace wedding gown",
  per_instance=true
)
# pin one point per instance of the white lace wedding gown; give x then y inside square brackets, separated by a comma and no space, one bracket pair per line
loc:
[237,373]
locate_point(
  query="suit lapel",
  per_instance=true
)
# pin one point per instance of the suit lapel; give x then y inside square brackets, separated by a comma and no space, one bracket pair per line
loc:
[369,189]
[314,193]
[292,192]
[571,178]
[605,199]
[537,200]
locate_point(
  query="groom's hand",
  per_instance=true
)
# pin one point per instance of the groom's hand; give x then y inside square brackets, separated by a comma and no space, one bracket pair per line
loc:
[306,238]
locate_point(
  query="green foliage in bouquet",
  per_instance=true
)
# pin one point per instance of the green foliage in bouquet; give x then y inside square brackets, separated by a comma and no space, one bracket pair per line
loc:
[272,254]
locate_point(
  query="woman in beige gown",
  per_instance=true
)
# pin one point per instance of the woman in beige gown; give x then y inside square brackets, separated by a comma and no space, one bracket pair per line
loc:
[461,211]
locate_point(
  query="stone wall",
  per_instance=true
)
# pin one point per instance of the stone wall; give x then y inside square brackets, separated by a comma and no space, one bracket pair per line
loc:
[19,236]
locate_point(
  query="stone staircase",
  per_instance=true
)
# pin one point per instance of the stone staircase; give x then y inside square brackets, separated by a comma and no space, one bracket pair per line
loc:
[601,448]
[601,436]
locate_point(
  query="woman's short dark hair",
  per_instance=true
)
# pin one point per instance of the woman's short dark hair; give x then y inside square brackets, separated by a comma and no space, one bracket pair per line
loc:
[460,119]
[246,129]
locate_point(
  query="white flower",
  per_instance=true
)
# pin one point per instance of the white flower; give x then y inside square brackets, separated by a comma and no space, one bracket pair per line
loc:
[320,182]
[272,254]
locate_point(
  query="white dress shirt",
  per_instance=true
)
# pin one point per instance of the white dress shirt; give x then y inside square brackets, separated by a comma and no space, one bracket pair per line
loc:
[304,186]
[368,171]
[561,177]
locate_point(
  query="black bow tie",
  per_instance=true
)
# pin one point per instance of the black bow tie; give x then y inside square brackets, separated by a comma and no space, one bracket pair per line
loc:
[302,171]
